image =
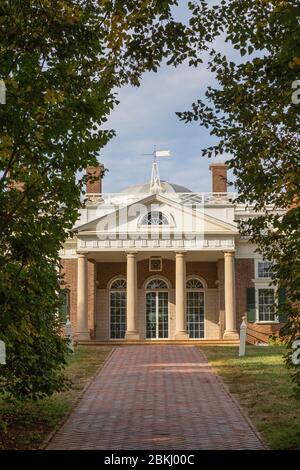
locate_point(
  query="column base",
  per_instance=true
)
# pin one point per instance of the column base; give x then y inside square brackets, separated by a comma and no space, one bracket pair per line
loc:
[84,336]
[231,335]
[181,335]
[132,335]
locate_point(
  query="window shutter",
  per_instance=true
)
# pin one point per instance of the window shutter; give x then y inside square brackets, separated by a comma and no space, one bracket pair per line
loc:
[251,311]
[281,301]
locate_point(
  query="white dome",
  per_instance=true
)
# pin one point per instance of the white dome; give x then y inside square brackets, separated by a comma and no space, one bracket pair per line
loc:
[166,188]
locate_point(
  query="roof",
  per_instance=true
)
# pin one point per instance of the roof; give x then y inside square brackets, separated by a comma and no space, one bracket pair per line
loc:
[166,188]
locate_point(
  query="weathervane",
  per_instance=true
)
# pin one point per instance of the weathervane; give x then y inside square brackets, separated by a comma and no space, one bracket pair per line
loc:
[155,183]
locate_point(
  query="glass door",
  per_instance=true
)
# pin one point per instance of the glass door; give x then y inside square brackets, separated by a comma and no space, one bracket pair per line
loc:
[157,315]
[195,314]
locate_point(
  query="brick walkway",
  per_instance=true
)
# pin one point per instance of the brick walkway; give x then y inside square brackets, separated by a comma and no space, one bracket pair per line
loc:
[156,397]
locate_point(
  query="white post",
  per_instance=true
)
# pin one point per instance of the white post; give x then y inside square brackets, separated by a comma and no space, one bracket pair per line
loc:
[69,335]
[2,353]
[243,329]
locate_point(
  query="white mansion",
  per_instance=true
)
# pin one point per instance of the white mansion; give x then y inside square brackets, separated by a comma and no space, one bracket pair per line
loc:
[160,262]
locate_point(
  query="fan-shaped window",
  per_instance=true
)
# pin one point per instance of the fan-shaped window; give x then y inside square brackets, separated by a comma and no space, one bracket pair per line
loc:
[157,284]
[155,218]
[194,284]
[118,284]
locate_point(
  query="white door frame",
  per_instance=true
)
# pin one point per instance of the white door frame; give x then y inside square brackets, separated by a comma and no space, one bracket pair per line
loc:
[157,292]
[187,307]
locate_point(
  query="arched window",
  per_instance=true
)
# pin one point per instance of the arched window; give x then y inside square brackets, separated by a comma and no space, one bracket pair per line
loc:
[155,218]
[118,284]
[118,308]
[157,284]
[194,283]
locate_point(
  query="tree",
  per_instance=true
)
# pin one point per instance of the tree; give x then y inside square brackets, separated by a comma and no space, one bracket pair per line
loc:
[62,62]
[253,115]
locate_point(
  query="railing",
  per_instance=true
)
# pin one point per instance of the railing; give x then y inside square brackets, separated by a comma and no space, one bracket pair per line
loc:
[116,199]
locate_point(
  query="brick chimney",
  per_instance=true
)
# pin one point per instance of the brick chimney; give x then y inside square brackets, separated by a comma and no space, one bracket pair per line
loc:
[94,180]
[219,177]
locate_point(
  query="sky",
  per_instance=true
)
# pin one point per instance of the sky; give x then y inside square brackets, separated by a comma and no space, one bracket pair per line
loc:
[146,117]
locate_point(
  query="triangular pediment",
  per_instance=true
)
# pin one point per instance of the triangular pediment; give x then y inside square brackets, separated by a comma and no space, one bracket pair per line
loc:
[128,218]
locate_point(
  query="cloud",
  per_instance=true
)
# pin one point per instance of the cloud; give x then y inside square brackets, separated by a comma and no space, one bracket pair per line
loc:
[146,117]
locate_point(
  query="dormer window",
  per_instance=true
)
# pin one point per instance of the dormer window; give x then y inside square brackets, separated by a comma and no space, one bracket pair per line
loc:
[155,218]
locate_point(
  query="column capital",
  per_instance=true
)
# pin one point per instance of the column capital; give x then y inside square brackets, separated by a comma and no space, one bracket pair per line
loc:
[131,253]
[181,253]
[82,254]
[229,253]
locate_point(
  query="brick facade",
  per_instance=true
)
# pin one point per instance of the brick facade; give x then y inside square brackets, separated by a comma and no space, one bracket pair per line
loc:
[207,270]
[100,275]
[244,273]
[257,333]
[168,272]
[106,272]
[69,275]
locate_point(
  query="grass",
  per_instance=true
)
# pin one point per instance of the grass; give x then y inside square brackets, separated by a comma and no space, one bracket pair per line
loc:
[259,381]
[261,384]
[27,425]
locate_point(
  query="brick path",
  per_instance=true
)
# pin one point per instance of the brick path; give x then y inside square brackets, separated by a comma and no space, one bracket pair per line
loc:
[156,397]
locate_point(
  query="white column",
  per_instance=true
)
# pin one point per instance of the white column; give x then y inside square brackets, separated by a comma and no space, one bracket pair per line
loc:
[229,287]
[82,332]
[181,331]
[131,330]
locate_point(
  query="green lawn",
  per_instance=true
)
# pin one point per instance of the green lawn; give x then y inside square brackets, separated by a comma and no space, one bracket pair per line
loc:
[259,381]
[261,384]
[26,426]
